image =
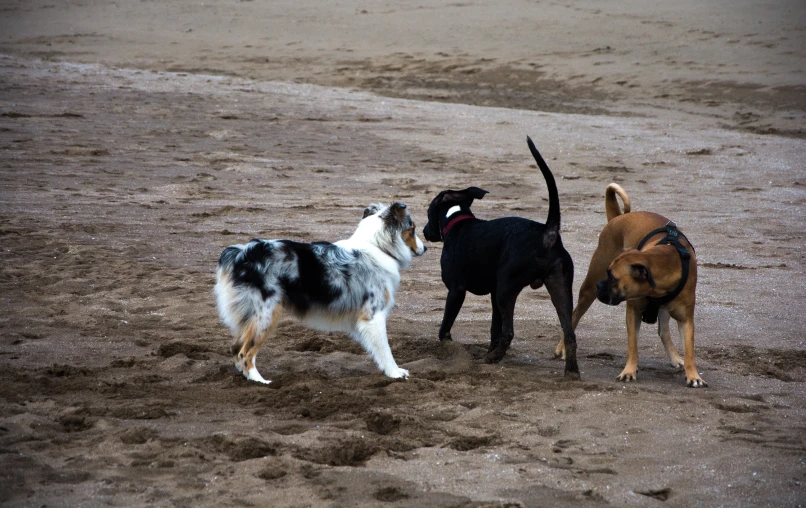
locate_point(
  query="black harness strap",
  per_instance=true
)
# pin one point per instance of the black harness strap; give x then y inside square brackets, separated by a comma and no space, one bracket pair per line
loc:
[650,314]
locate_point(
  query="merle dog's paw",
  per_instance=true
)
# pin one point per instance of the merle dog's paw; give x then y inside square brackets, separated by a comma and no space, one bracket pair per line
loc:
[397,373]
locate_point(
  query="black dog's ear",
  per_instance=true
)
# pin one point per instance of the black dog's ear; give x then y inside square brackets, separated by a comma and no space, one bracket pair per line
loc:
[371,210]
[467,195]
[642,273]
[475,192]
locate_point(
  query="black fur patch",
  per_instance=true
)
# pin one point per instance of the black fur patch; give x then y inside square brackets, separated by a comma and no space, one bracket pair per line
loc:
[311,287]
[246,265]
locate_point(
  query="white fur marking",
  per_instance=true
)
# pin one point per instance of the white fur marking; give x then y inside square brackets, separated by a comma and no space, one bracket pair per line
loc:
[452,210]
[254,375]
[420,246]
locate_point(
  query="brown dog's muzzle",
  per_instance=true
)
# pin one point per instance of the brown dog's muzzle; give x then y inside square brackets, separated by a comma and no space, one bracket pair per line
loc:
[606,293]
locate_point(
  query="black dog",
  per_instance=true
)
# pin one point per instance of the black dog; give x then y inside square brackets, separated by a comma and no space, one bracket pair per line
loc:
[500,257]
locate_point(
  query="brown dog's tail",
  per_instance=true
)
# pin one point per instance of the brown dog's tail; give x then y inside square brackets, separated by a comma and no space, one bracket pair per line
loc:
[611,203]
[553,219]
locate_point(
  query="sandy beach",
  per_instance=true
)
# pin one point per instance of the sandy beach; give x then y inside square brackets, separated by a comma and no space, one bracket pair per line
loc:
[138,139]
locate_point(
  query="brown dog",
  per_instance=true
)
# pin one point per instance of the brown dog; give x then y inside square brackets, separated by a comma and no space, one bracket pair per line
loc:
[648,271]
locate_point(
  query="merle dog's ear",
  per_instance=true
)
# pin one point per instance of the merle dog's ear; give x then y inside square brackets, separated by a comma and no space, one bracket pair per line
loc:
[395,213]
[465,196]
[398,209]
[642,273]
[371,210]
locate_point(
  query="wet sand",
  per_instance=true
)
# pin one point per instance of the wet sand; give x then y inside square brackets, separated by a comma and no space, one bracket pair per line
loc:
[140,139]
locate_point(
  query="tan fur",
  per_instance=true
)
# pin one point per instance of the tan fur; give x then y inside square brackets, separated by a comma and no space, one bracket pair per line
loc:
[616,251]
[410,238]
[611,204]
[250,342]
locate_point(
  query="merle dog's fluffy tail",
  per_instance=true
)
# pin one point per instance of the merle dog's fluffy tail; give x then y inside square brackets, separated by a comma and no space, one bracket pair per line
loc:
[553,220]
[243,262]
[240,286]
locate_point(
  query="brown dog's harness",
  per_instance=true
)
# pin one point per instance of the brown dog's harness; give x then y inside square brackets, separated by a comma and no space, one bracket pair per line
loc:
[650,314]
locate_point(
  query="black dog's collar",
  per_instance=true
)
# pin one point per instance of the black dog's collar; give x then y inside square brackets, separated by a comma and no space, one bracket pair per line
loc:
[650,315]
[453,221]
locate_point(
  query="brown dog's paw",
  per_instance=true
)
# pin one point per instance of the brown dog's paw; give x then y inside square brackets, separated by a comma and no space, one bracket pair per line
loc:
[628,376]
[696,383]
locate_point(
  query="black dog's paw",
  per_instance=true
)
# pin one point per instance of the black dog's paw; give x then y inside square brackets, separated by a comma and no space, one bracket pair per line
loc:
[445,337]
[572,370]
[494,356]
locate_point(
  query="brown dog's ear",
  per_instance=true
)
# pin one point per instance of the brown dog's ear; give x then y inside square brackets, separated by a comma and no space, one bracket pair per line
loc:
[641,272]
[465,196]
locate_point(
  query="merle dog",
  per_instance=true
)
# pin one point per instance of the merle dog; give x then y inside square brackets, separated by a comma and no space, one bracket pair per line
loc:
[348,286]
[500,257]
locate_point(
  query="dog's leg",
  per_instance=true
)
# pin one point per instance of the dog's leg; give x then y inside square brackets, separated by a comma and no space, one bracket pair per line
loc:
[256,332]
[630,372]
[247,333]
[505,302]
[243,361]
[587,295]
[666,337]
[685,326]
[370,332]
[456,297]
[495,324]
[237,344]
[559,284]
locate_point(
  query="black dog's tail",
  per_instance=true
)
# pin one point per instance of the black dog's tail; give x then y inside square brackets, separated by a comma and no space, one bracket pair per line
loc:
[553,220]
